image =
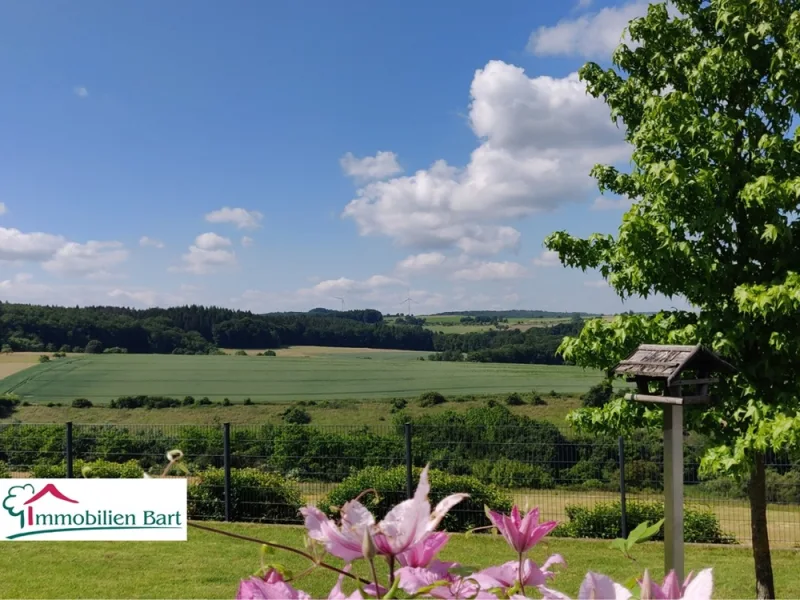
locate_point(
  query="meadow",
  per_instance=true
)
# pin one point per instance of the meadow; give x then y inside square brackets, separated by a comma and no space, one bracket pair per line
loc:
[210,565]
[453,324]
[296,374]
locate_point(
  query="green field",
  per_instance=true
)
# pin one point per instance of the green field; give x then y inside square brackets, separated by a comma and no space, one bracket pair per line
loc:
[452,323]
[209,565]
[296,374]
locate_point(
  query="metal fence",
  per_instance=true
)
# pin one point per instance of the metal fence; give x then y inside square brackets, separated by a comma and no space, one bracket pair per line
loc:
[598,487]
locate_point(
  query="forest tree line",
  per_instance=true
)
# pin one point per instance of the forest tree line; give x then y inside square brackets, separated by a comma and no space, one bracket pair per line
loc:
[200,329]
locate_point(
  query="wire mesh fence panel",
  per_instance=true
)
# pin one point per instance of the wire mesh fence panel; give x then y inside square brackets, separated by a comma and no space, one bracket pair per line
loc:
[23,447]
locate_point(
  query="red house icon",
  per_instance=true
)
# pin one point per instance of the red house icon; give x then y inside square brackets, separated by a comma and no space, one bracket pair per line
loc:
[48,489]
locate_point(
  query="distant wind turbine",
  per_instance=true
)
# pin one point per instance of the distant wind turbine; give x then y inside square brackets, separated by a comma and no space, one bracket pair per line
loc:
[340,300]
[408,301]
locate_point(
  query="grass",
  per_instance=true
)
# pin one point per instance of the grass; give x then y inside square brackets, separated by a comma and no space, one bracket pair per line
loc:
[353,375]
[209,565]
[338,412]
[16,362]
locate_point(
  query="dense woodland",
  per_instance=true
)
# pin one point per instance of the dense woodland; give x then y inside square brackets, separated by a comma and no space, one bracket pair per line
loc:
[200,329]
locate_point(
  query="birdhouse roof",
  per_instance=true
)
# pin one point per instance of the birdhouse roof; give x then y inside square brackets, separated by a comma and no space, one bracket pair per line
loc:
[655,361]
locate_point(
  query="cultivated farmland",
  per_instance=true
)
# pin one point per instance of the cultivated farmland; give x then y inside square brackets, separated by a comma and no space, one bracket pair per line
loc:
[314,374]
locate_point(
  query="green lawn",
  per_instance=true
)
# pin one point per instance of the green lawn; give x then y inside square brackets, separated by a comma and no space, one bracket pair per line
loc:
[290,377]
[210,565]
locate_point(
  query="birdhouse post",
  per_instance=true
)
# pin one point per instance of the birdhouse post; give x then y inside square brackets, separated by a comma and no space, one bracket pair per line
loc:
[657,368]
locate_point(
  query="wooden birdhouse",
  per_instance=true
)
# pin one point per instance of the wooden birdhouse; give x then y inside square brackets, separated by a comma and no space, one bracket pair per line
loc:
[683,375]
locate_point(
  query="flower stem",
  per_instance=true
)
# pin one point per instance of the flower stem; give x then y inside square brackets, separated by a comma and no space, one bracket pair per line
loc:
[280,547]
[375,576]
[521,578]
[391,570]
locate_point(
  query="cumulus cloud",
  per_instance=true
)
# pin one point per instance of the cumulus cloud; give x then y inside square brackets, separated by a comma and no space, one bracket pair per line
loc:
[16,245]
[208,254]
[382,165]
[425,262]
[491,271]
[539,139]
[603,203]
[247,241]
[93,259]
[594,35]
[80,91]
[548,258]
[145,241]
[243,219]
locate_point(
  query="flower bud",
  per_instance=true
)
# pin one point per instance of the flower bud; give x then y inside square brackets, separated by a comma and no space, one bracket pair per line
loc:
[368,546]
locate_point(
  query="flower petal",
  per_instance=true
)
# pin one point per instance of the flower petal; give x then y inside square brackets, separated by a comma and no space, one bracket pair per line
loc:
[701,587]
[671,586]
[423,552]
[443,508]
[596,586]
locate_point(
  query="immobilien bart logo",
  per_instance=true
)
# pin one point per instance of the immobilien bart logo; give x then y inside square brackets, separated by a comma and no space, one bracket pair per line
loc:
[93,509]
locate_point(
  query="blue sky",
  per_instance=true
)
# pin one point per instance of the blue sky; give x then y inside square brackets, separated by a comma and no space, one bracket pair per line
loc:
[275,155]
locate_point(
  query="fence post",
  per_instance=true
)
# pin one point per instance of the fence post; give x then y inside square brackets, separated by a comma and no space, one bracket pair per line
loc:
[409,477]
[623,512]
[226,454]
[69,450]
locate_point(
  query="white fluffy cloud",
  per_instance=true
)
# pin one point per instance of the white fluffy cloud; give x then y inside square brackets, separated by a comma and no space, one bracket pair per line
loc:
[92,259]
[602,203]
[243,219]
[35,247]
[208,254]
[539,138]
[491,271]
[595,35]
[80,91]
[548,258]
[145,241]
[382,165]
[422,263]
[247,241]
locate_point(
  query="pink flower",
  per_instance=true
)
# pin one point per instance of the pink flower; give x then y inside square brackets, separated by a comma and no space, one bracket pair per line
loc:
[411,521]
[338,594]
[413,579]
[699,588]
[522,534]
[594,587]
[423,552]
[507,574]
[270,587]
[344,540]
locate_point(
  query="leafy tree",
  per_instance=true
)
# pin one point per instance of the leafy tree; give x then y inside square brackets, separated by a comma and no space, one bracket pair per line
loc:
[94,347]
[709,98]
[44,358]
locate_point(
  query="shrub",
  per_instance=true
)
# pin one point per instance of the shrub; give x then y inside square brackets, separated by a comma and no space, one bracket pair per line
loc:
[50,404]
[554,394]
[115,350]
[255,496]
[226,402]
[188,400]
[296,416]
[603,521]
[391,487]
[247,402]
[26,403]
[431,399]
[77,350]
[514,399]
[94,347]
[204,401]
[145,402]
[514,474]
[537,400]
[269,353]
[398,404]
[8,404]
[7,349]
[81,403]
[96,469]
[240,353]
[598,395]
[4,472]
[64,349]
[44,358]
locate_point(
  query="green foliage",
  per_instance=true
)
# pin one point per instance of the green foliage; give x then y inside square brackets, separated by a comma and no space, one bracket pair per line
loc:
[44,358]
[94,347]
[537,400]
[428,399]
[188,401]
[8,404]
[391,487]
[226,402]
[240,353]
[641,533]
[598,395]
[81,403]
[603,521]
[204,401]
[296,415]
[514,399]
[269,353]
[77,350]
[4,472]
[115,350]
[255,496]
[95,469]
[506,473]
[398,404]
[247,402]
[148,402]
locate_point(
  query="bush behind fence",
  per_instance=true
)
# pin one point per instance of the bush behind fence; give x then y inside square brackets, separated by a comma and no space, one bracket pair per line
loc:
[276,468]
